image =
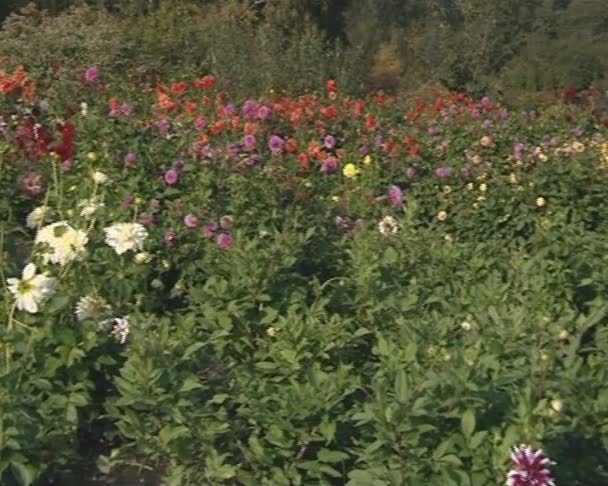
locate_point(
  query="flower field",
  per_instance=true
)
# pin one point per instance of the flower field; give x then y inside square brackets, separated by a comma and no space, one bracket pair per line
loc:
[298,290]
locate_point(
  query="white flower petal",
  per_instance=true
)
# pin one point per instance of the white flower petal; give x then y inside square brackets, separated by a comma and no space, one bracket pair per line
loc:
[29,271]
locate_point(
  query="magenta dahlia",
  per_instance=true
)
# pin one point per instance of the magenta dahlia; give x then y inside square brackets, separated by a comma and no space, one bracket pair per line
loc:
[530,468]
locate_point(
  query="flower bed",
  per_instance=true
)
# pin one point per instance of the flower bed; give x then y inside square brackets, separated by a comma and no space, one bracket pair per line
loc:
[299,290]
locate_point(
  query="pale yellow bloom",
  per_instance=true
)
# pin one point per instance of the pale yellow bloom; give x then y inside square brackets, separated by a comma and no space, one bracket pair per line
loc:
[578,147]
[442,216]
[350,171]
[143,257]
[37,216]
[100,177]
[123,237]
[557,405]
[540,202]
[63,243]
[367,160]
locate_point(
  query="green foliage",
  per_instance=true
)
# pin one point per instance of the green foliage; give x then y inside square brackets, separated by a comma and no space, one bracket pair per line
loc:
[309,350]
[513,47]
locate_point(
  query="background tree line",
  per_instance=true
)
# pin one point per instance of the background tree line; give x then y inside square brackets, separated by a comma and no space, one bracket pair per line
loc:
[511,46]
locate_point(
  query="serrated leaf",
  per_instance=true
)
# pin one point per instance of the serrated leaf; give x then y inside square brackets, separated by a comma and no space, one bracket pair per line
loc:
[290,356]
[442,449]
[468,423]
[57,303]
[327,429]
[477,439]
[451,459]
[401,387]
[25,474]
[326,455]
[190,383]
[266,365]
[360,478]
[390,256]
[193,348]
[256,447]
[361,332]
[410,352]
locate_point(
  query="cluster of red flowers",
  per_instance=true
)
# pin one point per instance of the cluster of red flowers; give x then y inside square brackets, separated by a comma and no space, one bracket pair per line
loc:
[35,141]
[18,82]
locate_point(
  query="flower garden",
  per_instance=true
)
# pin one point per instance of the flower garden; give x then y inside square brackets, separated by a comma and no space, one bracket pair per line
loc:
[298,290]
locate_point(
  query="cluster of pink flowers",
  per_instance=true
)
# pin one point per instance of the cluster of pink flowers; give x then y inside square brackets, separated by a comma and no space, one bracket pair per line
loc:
[530,468]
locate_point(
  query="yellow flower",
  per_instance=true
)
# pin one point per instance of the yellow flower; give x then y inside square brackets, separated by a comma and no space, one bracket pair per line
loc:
[540,202]
[557,405]
[367,160]
[442,215]
[483,187]
[603,155]
[350,171]
[335,198]
[92,156]
[578,147]
[513,179]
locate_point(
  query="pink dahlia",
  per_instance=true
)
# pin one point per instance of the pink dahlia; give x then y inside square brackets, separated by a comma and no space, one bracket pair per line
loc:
[530,468]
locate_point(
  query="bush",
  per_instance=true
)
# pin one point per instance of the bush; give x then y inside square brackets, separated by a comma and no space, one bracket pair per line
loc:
[360,292]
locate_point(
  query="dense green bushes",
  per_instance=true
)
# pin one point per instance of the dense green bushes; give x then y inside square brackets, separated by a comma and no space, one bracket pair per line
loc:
[510,47]
[312,290]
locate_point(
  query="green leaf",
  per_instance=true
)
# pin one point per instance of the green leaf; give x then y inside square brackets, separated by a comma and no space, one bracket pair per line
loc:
[361,332]
[451,459]
[477,439]
[290,356]
[494,315]
[442,449]
[219,398]
[256,447]
[410,352]
[193,348]
[326,455]
[270,317]
[172,432]
[190,383]
[57,303]
[266,365]
[23,473]
[330,471]
[390,256]
[468,423]
[360,478]
[327,429]
[401,387]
